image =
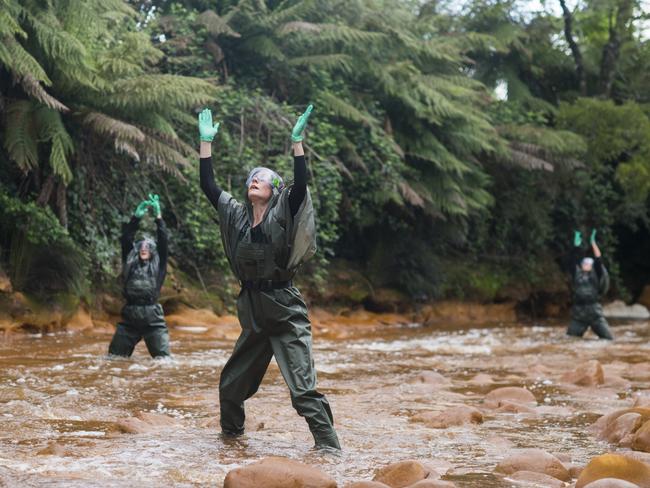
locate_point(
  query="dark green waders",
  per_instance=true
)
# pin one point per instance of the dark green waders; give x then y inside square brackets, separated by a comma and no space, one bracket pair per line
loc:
[586,311]
[272,313]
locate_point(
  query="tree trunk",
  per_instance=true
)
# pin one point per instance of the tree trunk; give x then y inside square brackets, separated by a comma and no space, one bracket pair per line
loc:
[575,50]
[612,49]
[46,192]
[61,205]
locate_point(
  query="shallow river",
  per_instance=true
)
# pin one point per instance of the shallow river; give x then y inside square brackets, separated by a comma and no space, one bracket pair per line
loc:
[60,399]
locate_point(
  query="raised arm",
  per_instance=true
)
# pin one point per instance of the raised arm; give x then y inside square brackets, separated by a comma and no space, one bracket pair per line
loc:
[576,253]
[128,234]
[598,262]
[207,132]
[299,189]
[131,227]
[163,248]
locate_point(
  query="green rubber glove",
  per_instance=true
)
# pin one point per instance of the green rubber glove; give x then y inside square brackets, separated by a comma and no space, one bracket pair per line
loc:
[154,201]
[141,209]
[592,239]
[206,130]
[299,128]
[577,238]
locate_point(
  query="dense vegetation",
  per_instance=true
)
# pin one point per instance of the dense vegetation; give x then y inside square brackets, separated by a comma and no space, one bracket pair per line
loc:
[427,175]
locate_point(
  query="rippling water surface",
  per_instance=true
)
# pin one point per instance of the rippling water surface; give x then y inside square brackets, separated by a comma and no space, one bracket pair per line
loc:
[60,399]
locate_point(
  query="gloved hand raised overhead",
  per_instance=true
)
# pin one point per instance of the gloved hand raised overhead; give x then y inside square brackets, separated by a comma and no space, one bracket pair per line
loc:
[207,131]
[299,128]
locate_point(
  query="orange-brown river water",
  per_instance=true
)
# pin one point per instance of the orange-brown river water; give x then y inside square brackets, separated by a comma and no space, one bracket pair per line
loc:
[60,390]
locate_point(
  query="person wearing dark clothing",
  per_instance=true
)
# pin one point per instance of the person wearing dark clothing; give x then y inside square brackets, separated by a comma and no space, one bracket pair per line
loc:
[144,266]
[266,239]
[590,283]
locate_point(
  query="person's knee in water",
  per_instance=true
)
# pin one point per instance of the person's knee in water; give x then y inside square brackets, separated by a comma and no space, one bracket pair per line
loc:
[590,281]
[144,265]
[266,238]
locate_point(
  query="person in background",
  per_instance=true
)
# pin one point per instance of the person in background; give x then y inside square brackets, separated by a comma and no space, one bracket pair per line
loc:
[590,284]
[144,265]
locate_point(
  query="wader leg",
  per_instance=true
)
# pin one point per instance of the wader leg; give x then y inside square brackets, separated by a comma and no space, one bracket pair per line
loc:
[157,341]
[293,353]
[601,328]
[124,340]
[241,377]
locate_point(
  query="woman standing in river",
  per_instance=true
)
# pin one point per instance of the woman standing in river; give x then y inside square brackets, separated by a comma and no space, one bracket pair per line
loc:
[266,239]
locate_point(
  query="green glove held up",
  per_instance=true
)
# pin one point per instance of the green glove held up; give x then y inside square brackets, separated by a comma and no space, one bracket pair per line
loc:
[299,128]
[141,209]
[592,239]
[154,201]
[577,238]
[206,130]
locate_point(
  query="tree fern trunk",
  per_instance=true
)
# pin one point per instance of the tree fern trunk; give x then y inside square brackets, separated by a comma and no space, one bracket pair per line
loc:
[61,206]
[46,191]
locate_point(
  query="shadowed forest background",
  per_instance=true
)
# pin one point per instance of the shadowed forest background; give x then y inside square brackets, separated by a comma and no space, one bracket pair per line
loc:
[452,152]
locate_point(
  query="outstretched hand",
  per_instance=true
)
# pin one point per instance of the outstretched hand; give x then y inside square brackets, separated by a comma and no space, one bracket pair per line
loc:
[577,238]
[592,239]
[207,131]
[299,128]
[154,203]
[141,209]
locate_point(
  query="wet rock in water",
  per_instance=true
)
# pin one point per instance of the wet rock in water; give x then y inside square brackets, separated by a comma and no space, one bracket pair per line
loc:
[586,374]
[402,474]
[433,484]
[643,457]
[481,379]
[641,398]
[366,484]
[529,478]
[620,428]
[509,395]
[54,449]
[511,407]
[144,422]
[453,416]
[574,469]
[535,460]
[433,378]
[641,438]
[611,483]
[278,472]
[617,467]
[619,310]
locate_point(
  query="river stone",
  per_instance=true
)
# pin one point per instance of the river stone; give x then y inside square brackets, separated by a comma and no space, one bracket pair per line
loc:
[619,310]
[432,378]
[535,460]
[402,474]
[277,472]
[481,379]
[511,394]
[433,484]
[617,467]
[513,407]
[620,430]
[538,479]
[452,416]
[641,438]
[586,374]
[144,422]
[366,484]
[611,483]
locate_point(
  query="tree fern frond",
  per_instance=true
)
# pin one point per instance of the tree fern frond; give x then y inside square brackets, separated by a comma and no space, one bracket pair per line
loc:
[528,161]
[61,149]
[20,134]
[160,92]
[216,25]
[105,125]
[342,108]
[20,62]
[51,128]
[33,88]
[299,26]
[342,62]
